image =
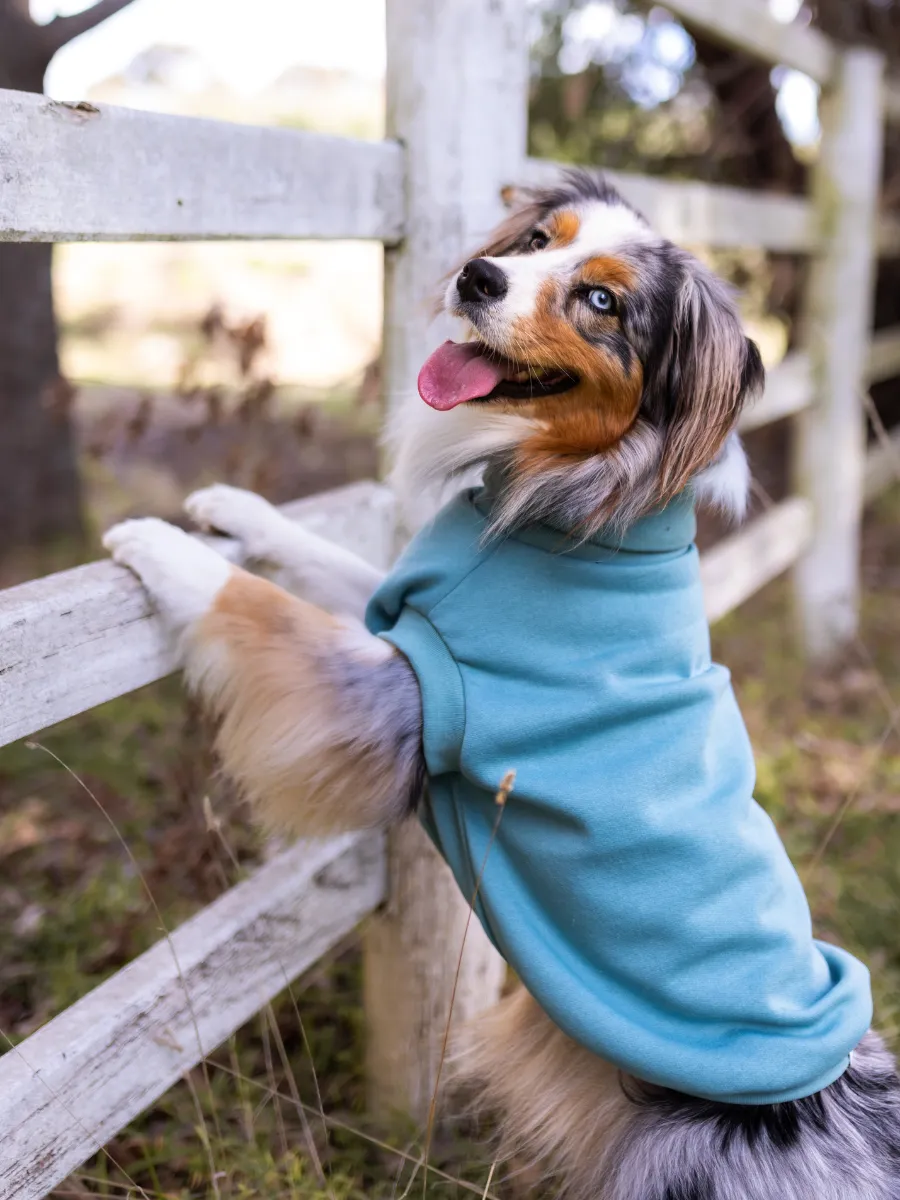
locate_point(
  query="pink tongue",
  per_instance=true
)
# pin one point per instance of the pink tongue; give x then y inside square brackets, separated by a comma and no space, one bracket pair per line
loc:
[457,372]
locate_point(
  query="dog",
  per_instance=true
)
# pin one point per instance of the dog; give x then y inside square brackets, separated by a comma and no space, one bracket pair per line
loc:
[677,1033]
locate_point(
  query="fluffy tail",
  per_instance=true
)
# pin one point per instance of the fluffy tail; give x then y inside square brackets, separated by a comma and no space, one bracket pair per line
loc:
[602,1135]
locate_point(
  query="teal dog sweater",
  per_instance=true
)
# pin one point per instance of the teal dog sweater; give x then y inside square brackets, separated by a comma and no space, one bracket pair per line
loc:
[634,885]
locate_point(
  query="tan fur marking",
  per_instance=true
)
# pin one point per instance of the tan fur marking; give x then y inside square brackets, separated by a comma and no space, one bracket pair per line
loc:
[257,657]
[563,226]
[594,415]
[607,271]
[561,1106]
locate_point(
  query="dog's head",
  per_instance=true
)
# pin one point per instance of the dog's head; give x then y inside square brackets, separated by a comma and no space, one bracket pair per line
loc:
[604,368]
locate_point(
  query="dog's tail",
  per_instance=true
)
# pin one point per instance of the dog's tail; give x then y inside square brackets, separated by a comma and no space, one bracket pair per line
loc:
[600,1135]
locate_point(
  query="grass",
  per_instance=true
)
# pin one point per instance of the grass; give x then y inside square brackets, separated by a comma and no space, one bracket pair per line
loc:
[72,908]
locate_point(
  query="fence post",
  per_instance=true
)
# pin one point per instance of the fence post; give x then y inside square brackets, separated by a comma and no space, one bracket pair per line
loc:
[830,449]
[457,99]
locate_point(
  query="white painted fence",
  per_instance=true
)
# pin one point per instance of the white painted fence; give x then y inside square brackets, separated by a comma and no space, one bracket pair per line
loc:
[457,78]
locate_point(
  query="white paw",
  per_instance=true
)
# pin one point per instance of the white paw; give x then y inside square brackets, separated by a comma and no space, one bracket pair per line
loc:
[241,514]
[181,574]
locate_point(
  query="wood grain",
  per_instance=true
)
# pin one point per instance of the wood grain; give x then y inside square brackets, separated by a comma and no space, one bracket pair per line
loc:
[737,567]
[705,214]
[70,1087]
[81,637]
[830,441]
[102,173]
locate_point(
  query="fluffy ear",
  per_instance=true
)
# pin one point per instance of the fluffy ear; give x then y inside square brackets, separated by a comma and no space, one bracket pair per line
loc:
[525,209]
[711,371]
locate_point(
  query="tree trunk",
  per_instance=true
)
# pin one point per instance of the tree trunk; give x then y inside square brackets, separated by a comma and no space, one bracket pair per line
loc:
[40,495]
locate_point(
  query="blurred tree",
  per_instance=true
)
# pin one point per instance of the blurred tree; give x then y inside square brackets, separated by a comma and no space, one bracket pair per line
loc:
[39,487]
[632,89]
[620,83]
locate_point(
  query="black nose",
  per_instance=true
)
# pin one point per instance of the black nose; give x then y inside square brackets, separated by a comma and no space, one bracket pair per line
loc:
[481,280]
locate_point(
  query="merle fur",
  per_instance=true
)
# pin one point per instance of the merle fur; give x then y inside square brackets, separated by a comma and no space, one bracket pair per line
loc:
[842,1143]
[699,370]
[392,732]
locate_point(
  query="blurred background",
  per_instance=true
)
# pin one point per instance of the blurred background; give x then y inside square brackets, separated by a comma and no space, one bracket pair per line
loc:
[135,372]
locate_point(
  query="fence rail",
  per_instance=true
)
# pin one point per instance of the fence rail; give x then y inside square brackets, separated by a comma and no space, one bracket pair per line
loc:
[706,214]
[70,1087]
[79,638]
[87,173]
[76,173]
[748,25]
[456,82]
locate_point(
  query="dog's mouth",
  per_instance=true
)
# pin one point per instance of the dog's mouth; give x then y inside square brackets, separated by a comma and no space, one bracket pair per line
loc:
[463,372]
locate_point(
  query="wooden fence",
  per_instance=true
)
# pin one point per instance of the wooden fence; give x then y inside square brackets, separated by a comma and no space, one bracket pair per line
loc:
[457,79]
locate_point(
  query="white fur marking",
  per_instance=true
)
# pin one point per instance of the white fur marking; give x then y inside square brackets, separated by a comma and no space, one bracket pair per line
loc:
[242,514]
[437,454]
[604,229]
[181,574]
[314,568]
[725,483]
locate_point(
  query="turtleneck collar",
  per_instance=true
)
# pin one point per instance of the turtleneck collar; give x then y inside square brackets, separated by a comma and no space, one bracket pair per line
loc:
[663,530]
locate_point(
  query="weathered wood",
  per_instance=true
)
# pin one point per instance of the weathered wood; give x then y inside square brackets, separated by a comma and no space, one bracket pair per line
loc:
[882,466]
[831,434]
[67,1089]
[883,358]
[740,565]
[704,214]
[748,25]
[81,637]
[86,173]
[788,391]
[456,98]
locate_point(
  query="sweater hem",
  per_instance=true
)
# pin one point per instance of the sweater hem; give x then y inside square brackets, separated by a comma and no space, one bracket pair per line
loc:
[757,1099]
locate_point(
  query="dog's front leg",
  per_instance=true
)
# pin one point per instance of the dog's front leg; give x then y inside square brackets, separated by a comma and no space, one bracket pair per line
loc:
[314,568]
[320,722]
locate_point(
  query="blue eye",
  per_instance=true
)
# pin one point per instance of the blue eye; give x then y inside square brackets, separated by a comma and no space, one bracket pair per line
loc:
[602,300]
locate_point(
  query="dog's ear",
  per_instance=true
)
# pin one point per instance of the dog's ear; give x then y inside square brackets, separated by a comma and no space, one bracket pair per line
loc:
[710,372]
[525,208]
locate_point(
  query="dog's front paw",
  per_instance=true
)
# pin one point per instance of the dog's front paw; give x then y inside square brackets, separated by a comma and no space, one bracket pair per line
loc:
[181,574]
[243,515]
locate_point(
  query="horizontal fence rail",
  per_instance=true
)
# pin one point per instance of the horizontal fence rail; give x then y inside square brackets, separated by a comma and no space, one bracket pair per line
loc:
[78,172]
[740,565]
[81,172]
[81,637]
[69,1088]
[76,639]
[749,26]
[789,389]
[789,385]
[705,213]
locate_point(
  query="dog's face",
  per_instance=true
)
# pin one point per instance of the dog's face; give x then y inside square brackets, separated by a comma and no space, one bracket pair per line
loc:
[588,327]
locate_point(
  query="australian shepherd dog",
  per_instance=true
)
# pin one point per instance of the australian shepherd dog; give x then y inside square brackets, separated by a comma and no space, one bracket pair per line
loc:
[694,1043]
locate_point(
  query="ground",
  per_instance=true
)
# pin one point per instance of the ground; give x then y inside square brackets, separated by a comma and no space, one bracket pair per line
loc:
[829,773]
